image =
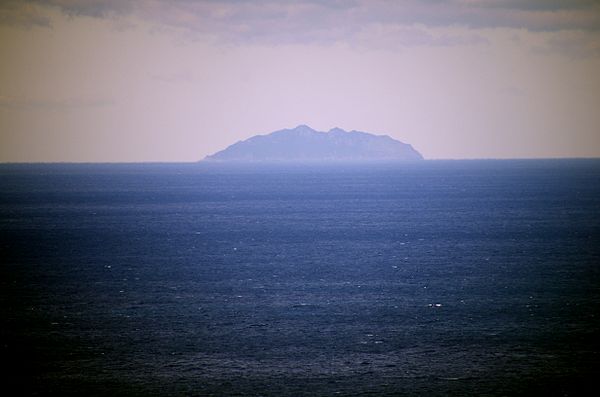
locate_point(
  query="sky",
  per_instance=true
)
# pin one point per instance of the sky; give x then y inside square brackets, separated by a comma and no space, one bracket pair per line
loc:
[158,80]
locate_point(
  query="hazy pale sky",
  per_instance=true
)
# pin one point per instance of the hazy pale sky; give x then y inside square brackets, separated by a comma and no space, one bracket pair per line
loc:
[157,80]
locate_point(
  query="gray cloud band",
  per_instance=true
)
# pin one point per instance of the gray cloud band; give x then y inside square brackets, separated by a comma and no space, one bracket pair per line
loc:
[318,20]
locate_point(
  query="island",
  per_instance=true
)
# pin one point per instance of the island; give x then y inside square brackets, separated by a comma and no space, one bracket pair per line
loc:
[303,144]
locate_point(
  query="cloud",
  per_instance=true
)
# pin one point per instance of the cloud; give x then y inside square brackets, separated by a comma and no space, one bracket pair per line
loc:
[535,5]
[92,8]
[75,103]
[18,13]
[396,37]
[301,22]
[580,16]
[573,44]
[320,21]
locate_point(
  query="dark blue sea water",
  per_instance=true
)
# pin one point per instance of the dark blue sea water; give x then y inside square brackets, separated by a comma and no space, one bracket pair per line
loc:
[435,278]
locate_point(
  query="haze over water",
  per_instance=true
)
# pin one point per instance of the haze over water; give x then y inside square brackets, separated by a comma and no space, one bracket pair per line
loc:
[430,278]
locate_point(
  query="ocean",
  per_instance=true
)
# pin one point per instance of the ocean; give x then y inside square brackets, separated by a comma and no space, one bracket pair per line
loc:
[435,278]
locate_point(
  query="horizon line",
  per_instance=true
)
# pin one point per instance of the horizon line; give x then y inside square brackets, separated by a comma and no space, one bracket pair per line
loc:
[203,161]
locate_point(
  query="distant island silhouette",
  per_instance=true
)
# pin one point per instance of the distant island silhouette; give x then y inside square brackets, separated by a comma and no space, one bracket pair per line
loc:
[303,144]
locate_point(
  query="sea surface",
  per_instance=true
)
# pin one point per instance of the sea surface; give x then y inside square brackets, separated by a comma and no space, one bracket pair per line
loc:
[461,278]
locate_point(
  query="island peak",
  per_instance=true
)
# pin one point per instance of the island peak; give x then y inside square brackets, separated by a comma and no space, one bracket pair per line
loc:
[304,144]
